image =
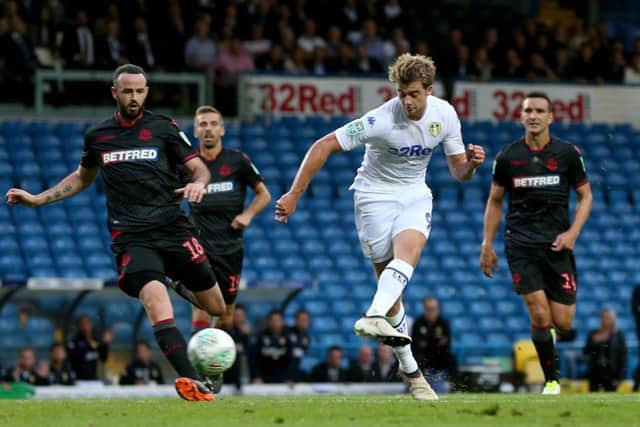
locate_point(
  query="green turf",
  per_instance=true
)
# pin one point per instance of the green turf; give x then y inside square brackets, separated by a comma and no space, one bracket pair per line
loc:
[468,410]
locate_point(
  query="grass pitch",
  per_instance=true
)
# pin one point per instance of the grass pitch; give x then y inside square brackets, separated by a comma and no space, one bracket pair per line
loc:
[468,410]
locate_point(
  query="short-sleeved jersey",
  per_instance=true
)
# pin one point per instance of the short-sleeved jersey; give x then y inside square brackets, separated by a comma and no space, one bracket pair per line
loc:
[138,161]
[538,184]
[398,149]
[231,173]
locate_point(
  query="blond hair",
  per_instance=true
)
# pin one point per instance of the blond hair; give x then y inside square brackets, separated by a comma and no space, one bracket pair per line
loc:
[409,68]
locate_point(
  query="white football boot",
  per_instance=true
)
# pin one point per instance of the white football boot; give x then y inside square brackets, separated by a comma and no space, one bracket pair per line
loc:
[378,328]
[419,387]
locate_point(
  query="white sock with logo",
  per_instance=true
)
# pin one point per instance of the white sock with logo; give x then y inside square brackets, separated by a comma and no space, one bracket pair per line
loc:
[407,362]
[391,283]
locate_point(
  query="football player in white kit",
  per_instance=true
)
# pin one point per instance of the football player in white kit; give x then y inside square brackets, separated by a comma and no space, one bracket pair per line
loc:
[391,199]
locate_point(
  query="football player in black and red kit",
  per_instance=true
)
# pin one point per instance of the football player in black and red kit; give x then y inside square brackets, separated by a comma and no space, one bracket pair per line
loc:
[221,216]
[138,153]
[538,172]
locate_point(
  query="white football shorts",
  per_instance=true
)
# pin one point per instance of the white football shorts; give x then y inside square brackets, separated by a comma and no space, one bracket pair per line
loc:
[380,217]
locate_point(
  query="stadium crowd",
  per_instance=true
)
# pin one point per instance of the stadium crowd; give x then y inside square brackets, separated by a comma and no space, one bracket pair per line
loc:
[296,36]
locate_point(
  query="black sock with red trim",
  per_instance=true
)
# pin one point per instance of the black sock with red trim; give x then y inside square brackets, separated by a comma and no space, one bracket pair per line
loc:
[174,347]
[543,341]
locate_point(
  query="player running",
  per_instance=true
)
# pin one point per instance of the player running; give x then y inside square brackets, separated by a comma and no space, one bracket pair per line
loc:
[538,171]
[220,216]
[392,201]
[138,153]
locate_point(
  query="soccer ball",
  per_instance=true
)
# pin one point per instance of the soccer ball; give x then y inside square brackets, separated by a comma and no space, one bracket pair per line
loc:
[211,351]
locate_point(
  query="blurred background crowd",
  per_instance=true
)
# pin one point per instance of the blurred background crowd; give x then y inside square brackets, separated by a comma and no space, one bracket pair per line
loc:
[483,41]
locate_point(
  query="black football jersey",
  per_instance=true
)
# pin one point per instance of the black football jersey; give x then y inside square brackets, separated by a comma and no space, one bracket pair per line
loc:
[231,173]
[538,185]
[138,164]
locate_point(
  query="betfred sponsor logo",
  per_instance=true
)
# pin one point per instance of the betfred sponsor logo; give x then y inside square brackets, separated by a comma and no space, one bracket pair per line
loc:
[220,187]
[141,154]
[536,181]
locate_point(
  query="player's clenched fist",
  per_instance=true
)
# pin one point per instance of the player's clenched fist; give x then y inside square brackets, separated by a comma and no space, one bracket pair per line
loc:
[475,154]
[286,206]
[15,196]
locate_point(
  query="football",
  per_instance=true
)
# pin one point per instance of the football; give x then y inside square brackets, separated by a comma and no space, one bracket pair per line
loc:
[211,351]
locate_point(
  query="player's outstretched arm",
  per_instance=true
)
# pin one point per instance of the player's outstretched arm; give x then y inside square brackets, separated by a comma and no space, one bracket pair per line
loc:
[194,191]
[492,216]
[567,239]
[463,166]
[72,184]
[315,158]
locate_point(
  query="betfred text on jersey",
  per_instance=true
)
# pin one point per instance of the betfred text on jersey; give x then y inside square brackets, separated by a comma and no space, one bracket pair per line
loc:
[220,187]
[140,154]
[536,181]
[411,151]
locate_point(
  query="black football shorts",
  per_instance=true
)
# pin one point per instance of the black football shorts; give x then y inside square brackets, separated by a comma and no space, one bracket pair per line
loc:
[540,268]
[227,269]
[170,250]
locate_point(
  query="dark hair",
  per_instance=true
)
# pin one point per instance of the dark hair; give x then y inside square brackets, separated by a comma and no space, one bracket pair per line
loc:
[127,69]
[539,94]
[273,313]
[334,348]
[301,311]
[144,343]
[56,344]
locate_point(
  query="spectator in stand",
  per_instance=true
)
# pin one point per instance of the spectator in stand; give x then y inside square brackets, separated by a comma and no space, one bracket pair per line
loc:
[24,370]
[309,40]
[492,46]
[330,371]
[632,70]
[386,364]
[538,68]
[85,349]
[142,51]
[606,349]
[397,45]
[272,353]
[562,63]
[393,14]
[431,344]
[513,67]
[229,63]
[343,63]
[142,370]
[463,62]
[295,63]
[60,372]
[300,339]
[258,46]
[350,21]
[318,63]
[110,49]
[173,38]
[615,65]
[240,333]
[20,61]
[480,67]
[44,30]
[364,63]
[371,42]
[78,46]
[334,41]
[200,50]
[274,61]
[363,369]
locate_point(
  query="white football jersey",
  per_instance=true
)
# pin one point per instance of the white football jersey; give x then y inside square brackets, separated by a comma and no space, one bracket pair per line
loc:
[398,149]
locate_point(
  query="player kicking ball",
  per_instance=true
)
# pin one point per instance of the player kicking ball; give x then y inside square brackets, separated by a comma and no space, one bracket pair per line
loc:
[538,172]
[391,199]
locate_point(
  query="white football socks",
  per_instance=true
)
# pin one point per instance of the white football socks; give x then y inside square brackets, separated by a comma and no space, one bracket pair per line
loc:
[407,362]
[391,283]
